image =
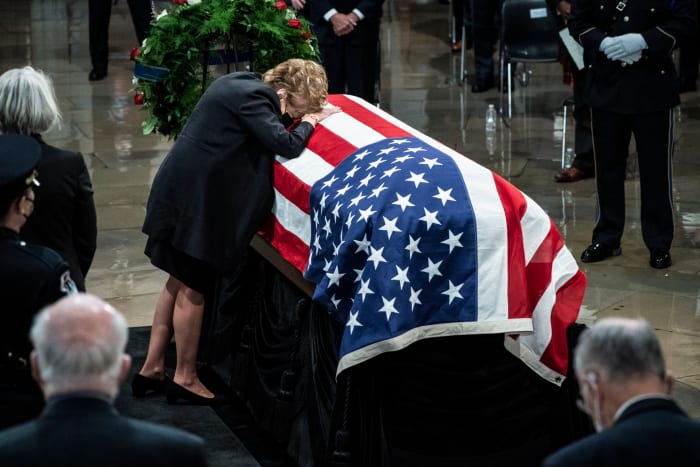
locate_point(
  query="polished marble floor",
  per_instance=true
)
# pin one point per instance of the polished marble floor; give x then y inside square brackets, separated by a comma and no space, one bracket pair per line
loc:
[421,85]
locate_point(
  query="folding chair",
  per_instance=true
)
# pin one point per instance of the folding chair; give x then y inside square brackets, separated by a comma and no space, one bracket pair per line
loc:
[529,34]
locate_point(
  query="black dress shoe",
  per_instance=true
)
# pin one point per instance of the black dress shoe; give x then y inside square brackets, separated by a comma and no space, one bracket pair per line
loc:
[483,85]
[142,385]
[97,75]
[598,252]
[176,394]
[659,258]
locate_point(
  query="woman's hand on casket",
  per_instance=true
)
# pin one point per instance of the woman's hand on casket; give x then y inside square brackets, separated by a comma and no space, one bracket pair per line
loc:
[317,117]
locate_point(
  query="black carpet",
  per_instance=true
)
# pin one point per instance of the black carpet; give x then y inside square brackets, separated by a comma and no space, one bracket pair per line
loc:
[231,436]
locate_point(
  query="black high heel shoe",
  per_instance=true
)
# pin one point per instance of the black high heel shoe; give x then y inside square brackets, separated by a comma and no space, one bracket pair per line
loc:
[176,394]
[142,385]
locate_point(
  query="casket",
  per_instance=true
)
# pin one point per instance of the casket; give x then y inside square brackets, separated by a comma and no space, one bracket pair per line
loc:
[403,305]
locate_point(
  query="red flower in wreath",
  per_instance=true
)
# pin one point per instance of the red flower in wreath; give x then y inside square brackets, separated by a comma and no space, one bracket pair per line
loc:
[135,52]
[138,98]
[281,6]
[179,2]
[306,35]
[295,23]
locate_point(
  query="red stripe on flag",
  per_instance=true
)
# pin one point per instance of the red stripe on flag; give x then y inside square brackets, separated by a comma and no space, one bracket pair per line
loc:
[539,270]
[367,116]
[564,314]
[291,187]
[291,247]
[329,146]
[514,207]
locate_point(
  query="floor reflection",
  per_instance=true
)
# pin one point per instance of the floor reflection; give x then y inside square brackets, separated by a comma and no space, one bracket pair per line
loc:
[421,84]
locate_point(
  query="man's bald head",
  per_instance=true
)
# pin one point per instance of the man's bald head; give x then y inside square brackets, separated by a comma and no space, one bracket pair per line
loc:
[79,345]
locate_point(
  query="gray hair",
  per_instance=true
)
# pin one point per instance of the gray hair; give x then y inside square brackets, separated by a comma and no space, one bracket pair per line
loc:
[621,349]
[27,102]
[76,347]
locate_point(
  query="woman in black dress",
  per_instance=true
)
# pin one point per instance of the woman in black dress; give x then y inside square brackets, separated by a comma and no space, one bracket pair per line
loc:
[211,194]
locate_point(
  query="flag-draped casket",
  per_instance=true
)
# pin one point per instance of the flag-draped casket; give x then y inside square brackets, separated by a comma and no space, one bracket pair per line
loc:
[406,239]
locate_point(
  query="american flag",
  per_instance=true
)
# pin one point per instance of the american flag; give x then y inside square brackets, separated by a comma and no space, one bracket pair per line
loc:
[407,239]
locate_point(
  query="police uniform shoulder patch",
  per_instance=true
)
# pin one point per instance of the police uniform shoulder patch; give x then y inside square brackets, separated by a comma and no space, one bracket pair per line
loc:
[67,286]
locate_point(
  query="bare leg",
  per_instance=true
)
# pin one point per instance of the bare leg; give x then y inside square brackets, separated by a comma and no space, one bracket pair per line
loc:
[161,331]
[187,323]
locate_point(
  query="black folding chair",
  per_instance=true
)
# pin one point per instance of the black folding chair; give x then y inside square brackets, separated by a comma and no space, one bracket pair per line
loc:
[529,34]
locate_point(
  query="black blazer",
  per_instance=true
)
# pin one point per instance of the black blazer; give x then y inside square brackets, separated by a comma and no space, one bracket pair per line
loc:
[64,216]
[648,85]
[214,189]
[650,432]
[88,432]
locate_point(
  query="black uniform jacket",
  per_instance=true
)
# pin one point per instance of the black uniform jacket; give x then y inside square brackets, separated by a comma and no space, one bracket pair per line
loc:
[64,216]
[650,432]
[215,187]
[31,277]
[83,431]
[365,33]
[648,85]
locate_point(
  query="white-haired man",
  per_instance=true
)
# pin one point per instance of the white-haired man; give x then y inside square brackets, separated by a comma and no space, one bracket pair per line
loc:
[625,389]
[79,362]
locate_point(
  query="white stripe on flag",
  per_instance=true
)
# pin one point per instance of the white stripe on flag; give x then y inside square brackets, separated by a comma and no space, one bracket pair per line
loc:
[351,130]
[535,226]
[308,167]
[294,220]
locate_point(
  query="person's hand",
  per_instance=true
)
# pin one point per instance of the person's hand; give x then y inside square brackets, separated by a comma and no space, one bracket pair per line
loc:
[623,45]
[298,4]
[631,58]
[605,44]
[342,24]
[318,117]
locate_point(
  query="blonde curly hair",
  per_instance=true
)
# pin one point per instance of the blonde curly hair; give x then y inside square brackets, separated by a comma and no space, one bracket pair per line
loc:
[304,80]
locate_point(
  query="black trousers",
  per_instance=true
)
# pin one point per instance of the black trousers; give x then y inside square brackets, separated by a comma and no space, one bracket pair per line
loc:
[583,142]
[351,68]
[653,133]
[99,15]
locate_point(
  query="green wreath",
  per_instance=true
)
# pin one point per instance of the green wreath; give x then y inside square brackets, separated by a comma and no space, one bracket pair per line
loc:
[172,66]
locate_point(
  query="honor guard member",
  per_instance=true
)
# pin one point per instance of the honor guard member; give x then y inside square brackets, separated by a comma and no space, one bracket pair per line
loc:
[31,277]
[632,88]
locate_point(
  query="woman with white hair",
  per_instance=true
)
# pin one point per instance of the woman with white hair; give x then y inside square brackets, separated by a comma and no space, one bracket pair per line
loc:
[64,216]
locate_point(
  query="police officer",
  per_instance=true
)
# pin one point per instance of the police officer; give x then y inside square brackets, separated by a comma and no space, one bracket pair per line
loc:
[632,88]
[31,277]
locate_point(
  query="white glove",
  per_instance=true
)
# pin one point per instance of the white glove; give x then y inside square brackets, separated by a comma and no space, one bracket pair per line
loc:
[623,45]
[631,58]
[605,43]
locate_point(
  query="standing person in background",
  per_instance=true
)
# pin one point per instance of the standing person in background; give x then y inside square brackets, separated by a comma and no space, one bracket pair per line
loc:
[485,23]
[100,12]
[31,277]
[79,362]
[582,166]
[632,88]
[688,61]
[64,217]
[625,389]
[348,38]
[225,156]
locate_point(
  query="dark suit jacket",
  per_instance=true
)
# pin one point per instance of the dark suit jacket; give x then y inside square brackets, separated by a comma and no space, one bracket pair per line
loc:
[648,85]
[650,432]
[365,33]
[214,189]
[64,211]
[88,432]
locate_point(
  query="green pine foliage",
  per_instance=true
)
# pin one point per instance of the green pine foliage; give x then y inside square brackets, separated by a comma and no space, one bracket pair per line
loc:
[181,40]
